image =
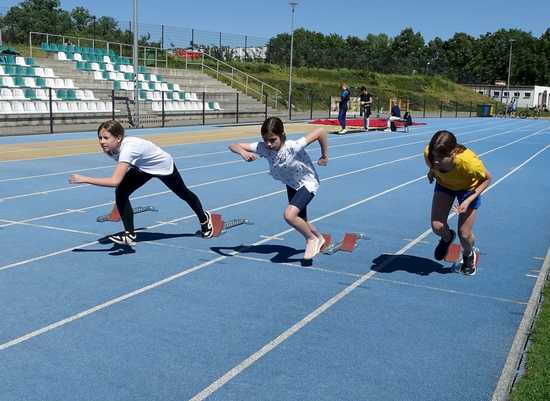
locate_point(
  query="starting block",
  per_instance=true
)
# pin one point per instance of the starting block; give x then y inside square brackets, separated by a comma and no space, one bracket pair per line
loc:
[114,216]
[454,256]
[348,243]
[220,226]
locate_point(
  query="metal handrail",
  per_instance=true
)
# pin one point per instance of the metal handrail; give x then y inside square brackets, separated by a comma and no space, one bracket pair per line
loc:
[108,45]
[234,72]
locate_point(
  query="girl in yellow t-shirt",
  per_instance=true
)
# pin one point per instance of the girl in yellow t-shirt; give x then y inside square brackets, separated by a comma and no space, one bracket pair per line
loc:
[459,174]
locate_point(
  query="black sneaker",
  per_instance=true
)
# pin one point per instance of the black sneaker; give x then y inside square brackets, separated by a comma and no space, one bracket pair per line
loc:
[125,238]
[469,264]
[443,246]
[207,229]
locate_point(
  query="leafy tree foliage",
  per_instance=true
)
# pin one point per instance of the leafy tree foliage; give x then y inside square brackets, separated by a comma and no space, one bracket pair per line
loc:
[461,58]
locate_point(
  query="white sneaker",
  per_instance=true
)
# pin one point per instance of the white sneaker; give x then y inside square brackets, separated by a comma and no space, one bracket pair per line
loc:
[312,248]
[321,242]
[343,131]
[125,238]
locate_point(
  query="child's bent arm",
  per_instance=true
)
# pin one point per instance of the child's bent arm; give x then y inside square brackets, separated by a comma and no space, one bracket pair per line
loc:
[113,181]
[244,150]
[319,135]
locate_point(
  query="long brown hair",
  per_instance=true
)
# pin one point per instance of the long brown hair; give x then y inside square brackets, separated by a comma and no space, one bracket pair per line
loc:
[444,144]
[273,125]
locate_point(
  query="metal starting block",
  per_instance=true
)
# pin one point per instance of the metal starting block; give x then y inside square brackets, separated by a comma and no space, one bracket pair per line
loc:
[454,256]
[221,226]
[115,215]
[348,243]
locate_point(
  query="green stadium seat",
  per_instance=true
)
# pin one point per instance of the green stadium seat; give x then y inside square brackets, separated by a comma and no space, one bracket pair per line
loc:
[19,81]
[30,94]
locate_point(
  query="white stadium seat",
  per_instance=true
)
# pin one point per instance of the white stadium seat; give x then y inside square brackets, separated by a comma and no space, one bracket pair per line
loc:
[6,94]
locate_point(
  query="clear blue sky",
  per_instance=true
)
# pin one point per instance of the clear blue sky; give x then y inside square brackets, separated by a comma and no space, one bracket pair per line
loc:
[352,17]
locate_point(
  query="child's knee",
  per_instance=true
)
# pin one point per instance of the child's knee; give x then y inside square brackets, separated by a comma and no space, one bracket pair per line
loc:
[465,233]
[438,226]
[290,214]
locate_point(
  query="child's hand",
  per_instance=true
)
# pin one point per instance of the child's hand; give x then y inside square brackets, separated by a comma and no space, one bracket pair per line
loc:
[430,176]
[323,161]
[248,156]
[76,179]
[459,209]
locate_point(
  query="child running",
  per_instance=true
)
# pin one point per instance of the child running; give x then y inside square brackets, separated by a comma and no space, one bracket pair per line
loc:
[459,174]
[139,160]
[290,163]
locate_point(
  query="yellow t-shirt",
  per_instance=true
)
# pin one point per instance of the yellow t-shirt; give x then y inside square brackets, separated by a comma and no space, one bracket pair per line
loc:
[467,174]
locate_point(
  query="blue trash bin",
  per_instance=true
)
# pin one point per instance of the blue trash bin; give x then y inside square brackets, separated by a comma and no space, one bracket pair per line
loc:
[484,110]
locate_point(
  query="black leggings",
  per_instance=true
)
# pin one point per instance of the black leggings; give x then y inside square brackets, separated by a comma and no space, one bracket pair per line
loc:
[134,179]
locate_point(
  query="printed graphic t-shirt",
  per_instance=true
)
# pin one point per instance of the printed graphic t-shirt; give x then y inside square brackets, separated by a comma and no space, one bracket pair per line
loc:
[291,164]
[145,156]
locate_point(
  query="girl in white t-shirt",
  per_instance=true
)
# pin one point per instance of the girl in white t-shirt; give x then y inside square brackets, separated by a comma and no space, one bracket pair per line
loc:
[290,163]
[139,160]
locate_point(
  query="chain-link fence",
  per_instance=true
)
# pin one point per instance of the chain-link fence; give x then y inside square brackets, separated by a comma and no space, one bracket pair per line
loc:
[62,112]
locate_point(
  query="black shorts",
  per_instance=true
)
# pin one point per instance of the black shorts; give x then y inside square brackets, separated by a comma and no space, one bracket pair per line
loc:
[299,198]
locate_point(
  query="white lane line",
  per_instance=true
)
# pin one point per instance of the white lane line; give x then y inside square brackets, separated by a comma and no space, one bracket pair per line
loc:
[270,346]
[214,164]
[283,337]
[69,230]
[254,198]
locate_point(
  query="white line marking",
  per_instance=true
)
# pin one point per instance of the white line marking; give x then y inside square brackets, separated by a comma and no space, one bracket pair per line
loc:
[275,238]
[232,373]
[281,338]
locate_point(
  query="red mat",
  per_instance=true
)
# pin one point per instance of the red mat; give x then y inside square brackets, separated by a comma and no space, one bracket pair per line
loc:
[358,122]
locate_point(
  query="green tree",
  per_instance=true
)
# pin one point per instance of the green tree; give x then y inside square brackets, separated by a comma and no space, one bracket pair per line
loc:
[408,52]
[81,19]
[35,16]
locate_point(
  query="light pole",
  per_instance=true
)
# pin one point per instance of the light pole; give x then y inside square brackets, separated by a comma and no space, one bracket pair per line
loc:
[135,61]
[293,5]
[509,73]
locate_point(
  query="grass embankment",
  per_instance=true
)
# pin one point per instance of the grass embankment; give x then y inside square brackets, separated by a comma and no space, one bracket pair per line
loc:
[535,384]
[434,91]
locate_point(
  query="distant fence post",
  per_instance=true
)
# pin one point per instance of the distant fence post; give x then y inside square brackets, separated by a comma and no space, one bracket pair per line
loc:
[265,113]
[163,113]
[290,108]
[329,108]
[51,110]
[112,104]
[237,109]
[440,109]
[203,107]
[311,106]
[424,111]
[471,106]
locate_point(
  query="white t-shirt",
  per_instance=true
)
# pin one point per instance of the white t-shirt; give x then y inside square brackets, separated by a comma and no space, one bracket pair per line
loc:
[291,164]
[145,156]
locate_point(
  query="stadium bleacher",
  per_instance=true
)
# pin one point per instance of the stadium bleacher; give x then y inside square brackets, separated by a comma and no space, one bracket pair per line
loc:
[25,87]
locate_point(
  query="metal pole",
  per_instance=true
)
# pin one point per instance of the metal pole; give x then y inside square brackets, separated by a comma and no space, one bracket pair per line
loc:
[265,113]
[112,104]
[162,36]
[51,109]
[293,5]
[203,107]
[135,57]
[311,107]
[163,114]
[237,109]
[509,73]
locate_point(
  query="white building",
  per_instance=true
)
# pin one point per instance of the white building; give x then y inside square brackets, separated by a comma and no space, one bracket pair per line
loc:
[527,96]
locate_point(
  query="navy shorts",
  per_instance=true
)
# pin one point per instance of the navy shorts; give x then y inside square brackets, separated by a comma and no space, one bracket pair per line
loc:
[299,198]
[459,195]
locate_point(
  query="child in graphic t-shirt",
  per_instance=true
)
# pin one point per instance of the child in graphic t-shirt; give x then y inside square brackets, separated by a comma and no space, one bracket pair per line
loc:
[290,163]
